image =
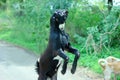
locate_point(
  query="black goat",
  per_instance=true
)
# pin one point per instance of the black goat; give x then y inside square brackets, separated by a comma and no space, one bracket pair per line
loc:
[48,66]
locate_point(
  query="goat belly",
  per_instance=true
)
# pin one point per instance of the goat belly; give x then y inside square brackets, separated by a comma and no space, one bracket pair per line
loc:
[59,60]
[55,63]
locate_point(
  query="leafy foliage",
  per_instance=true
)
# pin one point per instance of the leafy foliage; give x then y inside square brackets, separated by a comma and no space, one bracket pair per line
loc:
[107,30]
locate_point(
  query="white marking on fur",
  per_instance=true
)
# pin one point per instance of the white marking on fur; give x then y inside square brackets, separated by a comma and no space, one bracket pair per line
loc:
[58,58]
[62,26]
[38,59]
[110,65]
[102,62]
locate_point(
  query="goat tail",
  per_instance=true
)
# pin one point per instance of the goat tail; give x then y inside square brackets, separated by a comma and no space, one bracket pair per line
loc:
[37,66]
[102,62]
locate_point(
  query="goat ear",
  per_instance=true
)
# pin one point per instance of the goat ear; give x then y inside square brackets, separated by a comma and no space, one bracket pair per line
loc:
[55,16]
[66,12]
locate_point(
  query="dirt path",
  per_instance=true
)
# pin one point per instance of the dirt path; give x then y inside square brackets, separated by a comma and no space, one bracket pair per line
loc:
[19,64]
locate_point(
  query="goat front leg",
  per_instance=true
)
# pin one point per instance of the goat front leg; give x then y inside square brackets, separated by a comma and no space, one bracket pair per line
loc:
[66,59]
[77,55]
[74,65]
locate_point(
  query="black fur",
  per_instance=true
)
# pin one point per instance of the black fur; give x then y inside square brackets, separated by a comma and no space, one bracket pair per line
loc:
[58,42]
[37,67]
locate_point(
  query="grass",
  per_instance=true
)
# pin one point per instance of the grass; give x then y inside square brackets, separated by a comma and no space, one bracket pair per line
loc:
[6,35]
[91,60]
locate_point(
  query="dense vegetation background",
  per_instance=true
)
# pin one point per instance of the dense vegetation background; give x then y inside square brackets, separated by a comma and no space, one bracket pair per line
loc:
[93,28]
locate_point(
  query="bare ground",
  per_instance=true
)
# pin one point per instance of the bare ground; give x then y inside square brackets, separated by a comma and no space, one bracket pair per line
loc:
[19,64]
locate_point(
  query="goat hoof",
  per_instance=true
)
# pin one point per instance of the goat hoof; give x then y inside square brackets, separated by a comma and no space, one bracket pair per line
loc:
[63,72]
[73,71]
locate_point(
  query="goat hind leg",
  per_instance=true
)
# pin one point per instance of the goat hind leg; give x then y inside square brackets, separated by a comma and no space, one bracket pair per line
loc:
[54,77]
[42,77]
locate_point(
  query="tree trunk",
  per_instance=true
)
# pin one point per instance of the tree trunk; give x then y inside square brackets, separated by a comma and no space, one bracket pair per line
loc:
[110,4]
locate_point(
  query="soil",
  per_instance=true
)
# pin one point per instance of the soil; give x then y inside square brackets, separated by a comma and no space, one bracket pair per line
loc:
[17,63]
